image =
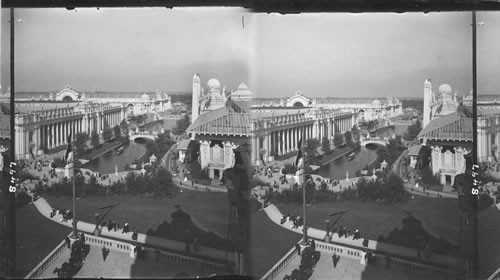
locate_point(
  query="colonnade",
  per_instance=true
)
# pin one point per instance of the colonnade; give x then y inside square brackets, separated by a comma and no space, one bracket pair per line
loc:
[283,139]
[488,135]
[50,129]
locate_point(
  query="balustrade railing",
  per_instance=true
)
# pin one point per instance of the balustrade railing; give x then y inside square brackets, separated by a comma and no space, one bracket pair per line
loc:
[150,253]
[157,254]
[395,261]
[47,261]
[280,265]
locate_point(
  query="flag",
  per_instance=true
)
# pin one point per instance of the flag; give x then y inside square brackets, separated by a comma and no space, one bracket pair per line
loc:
[299,161]
[68,157]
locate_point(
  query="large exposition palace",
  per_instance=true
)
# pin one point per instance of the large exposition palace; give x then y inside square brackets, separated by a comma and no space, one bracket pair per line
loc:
[44,120]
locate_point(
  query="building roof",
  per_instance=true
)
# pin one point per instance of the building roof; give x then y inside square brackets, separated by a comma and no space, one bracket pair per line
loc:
[488,111]
[451,127]
[183,145]
[415,150]
[223,121]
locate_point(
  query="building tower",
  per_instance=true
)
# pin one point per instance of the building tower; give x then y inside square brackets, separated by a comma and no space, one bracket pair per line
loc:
[427,102]
[195,107]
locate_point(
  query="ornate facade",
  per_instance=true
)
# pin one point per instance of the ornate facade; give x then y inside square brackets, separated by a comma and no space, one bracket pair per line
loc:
[220,132]
[207,100]
[365,109]
[47,126]
[437,104]
[136,103]
[488,129]
[450,141]
[278,132]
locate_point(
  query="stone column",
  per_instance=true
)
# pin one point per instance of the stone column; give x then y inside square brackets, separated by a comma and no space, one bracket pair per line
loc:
[287,141]
[56,142]
[282,144]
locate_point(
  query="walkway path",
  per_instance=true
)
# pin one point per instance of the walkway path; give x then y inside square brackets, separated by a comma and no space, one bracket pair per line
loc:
[275,215]
[45,209]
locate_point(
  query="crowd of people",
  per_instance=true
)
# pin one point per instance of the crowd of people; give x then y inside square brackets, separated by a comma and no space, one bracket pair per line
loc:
[297,221]
[66,214]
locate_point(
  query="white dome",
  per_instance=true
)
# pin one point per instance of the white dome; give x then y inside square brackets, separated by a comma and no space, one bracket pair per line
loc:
[213,83]
[376,102]
[445,89]
[145,96]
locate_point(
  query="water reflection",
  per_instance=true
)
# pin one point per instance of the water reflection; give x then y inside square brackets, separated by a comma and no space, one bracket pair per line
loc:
[337,169]
[107,162]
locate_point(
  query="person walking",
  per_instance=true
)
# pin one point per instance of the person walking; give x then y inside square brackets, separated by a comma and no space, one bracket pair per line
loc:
[105,252]
[335,259]
[68,242]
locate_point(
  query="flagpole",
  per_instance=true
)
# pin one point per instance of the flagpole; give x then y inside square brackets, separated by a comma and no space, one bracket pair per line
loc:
[74,188]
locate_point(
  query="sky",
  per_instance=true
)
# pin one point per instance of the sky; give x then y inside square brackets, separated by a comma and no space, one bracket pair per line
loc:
[322,55]
[365,55]
[140,49]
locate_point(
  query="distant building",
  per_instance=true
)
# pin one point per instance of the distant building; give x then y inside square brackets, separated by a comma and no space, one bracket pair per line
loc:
[204,101]
[488,129]
[242,93]
[44,120]
[437,104]
[214,97]
[365,109]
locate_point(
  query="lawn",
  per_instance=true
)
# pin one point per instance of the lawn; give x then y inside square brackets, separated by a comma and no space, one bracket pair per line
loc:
[202,210]
[269,243]
[489,241]
[393,224]
[36,237]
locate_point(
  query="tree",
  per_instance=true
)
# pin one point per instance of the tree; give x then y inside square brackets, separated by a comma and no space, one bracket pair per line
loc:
[117,132]
[107,133]
[355,133]
[325,145]
[182,125]
[124,127]
[371,125]
[338,140]
[163,142]
[95,139]
[348,138]
[413,131]
[151,148]
[81,143]
[311,149]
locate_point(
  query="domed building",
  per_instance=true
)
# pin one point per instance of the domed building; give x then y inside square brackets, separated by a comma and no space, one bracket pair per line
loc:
[440,103]
[214,96]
